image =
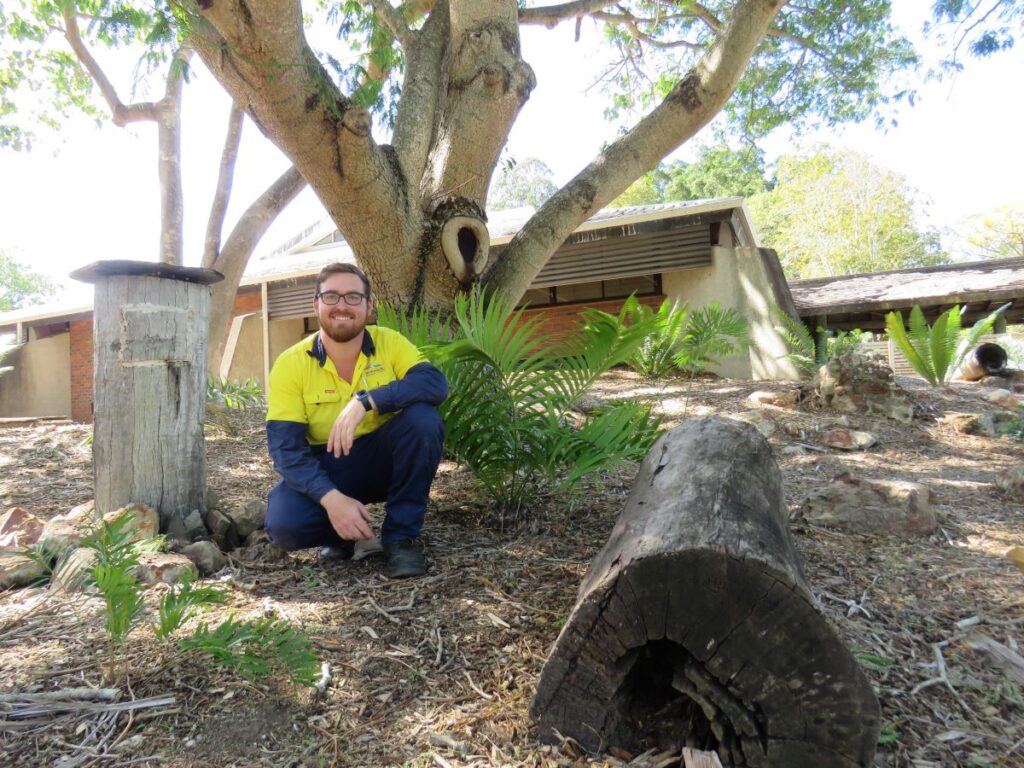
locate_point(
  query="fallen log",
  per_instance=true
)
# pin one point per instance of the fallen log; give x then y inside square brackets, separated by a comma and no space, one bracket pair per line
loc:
[988,359]
[695,627]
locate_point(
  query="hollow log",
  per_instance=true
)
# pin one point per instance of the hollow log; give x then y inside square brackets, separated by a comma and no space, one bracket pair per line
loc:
[988,359]
[695,626]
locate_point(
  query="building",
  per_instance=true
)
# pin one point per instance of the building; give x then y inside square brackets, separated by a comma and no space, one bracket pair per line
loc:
[695,252]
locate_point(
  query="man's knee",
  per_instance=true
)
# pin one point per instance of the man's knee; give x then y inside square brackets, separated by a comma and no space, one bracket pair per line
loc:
[285,521]
[423,420]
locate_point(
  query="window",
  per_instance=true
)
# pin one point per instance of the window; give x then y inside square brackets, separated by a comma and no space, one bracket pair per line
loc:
[598,290]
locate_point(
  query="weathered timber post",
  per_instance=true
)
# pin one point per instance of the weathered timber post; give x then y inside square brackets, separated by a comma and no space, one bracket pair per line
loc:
[695,627]
[150,337]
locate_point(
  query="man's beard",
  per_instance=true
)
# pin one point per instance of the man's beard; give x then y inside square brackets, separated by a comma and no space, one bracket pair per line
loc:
[343,334]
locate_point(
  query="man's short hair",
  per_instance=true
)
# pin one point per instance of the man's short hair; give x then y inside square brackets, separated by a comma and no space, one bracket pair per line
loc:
[339,268]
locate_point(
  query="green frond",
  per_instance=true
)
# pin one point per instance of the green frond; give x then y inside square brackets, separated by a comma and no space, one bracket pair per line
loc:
[712,333]
[797,338]
[897,332]
[422,327]
[938,341]
[255,649]
[177,605]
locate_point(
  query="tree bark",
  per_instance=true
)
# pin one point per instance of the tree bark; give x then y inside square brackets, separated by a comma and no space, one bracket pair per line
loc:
[695,626]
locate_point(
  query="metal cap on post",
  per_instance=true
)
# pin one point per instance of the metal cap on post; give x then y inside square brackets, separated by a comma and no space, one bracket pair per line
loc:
[151,333]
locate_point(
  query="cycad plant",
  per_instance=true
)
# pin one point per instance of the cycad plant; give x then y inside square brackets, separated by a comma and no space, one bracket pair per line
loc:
[655,358]
[937,351]
[800,342]
[711,333]
[511,390]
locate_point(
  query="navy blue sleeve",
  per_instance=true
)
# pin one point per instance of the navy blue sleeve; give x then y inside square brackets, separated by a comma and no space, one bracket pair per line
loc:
[423,383]
[294,460]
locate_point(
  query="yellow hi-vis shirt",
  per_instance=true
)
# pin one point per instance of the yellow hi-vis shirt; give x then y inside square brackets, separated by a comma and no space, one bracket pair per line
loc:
[305,386]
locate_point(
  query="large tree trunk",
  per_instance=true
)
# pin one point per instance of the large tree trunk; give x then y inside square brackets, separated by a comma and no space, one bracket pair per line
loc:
[695,627]
[413,211]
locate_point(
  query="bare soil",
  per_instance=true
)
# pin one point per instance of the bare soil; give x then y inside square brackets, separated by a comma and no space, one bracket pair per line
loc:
[439,671]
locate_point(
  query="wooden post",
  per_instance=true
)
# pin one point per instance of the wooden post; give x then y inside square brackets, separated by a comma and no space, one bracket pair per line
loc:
[820,331]
[151,334]
[695,627]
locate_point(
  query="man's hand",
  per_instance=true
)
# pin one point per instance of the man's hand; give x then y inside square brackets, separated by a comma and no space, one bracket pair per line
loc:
[344,430]
[348,517]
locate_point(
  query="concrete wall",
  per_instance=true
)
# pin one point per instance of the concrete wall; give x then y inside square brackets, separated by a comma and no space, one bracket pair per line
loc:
[738,278]
[245,345]
[284,333]
[40,384]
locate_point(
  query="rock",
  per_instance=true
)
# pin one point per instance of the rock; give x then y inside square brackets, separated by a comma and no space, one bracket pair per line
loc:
[65,532]
[1011,481]
[858,383]
[188,528]
[16,570]
[19,529]
[250,517]
[848,439]
[857,505]
[145,523]
[367,548]
[1003,397]
[758,420]
[259,547]
[794,430]
[971,423]
[213,498]
[206,556]
[1008,379]
[164,567]
[223,530]
[785,399]
[793,450]
[72,571]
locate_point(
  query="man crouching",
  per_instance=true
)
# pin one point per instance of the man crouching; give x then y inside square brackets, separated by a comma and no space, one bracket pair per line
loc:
[352,420]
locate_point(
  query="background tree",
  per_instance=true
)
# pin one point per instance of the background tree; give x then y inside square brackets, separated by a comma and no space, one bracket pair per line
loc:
[52,46]
[527,182]
[719,171]
[998,234]
[981,28]
[834,213]
[19,286]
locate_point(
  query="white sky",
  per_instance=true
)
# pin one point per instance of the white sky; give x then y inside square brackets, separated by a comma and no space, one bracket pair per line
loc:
[92,194]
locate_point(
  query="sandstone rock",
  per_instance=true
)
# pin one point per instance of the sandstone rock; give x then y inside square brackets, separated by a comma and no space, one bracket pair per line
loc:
[19,529]
[206,556]
[163,567]
[65,532]
[250,516]
[785,399]
[982,424]
[857,505]
[1003,397]
[72,571]
[16,570]
[1011,481]
[857,383]
[758,420]
[849,439]
[145,523]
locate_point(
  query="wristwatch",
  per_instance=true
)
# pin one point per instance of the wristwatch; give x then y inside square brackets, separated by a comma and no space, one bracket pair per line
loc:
[364,397]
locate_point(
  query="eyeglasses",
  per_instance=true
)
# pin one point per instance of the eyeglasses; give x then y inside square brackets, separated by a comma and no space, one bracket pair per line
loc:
[330,298]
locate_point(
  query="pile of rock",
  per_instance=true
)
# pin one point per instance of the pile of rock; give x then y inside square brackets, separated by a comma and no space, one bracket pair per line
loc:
[862,384]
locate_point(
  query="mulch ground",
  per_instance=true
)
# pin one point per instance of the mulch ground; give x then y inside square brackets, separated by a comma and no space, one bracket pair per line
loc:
[440,671]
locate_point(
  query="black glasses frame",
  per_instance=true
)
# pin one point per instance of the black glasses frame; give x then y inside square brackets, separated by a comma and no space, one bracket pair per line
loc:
[360,297]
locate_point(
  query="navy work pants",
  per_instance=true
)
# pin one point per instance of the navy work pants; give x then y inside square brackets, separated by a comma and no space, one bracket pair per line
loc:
[395,463]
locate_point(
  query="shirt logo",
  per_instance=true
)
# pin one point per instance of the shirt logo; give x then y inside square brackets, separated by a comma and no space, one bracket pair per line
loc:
[328,391]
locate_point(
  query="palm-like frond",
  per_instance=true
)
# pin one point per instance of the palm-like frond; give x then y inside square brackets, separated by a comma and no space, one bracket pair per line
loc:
[912,345]
[711,333]
[655,357]
[422,327]
[798,339]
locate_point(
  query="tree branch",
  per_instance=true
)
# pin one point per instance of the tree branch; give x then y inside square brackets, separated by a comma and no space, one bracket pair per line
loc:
[120,114]
[391,18]
[691,104]
[172,205]
[551,15]
[219,207]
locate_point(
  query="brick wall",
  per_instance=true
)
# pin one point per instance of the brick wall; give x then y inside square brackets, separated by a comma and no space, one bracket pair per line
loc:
[81,370]
[563,319]
[81,356]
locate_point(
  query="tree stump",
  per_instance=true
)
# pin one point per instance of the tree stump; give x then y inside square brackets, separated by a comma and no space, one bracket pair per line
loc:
[695,627]
[151,330]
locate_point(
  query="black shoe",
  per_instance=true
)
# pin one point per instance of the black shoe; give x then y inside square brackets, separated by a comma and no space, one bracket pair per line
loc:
[334,555]
[404,559]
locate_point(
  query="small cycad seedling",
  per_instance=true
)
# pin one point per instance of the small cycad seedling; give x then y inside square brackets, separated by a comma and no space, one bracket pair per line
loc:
[937,351]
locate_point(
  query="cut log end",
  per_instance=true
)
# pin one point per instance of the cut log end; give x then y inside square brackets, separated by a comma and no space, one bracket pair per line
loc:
[691,638]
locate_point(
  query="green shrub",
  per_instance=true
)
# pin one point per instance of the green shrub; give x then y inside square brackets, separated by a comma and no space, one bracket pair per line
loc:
[656,356]
[800,342]
[936,352]
[511,393]
[234,395]
[711,333]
